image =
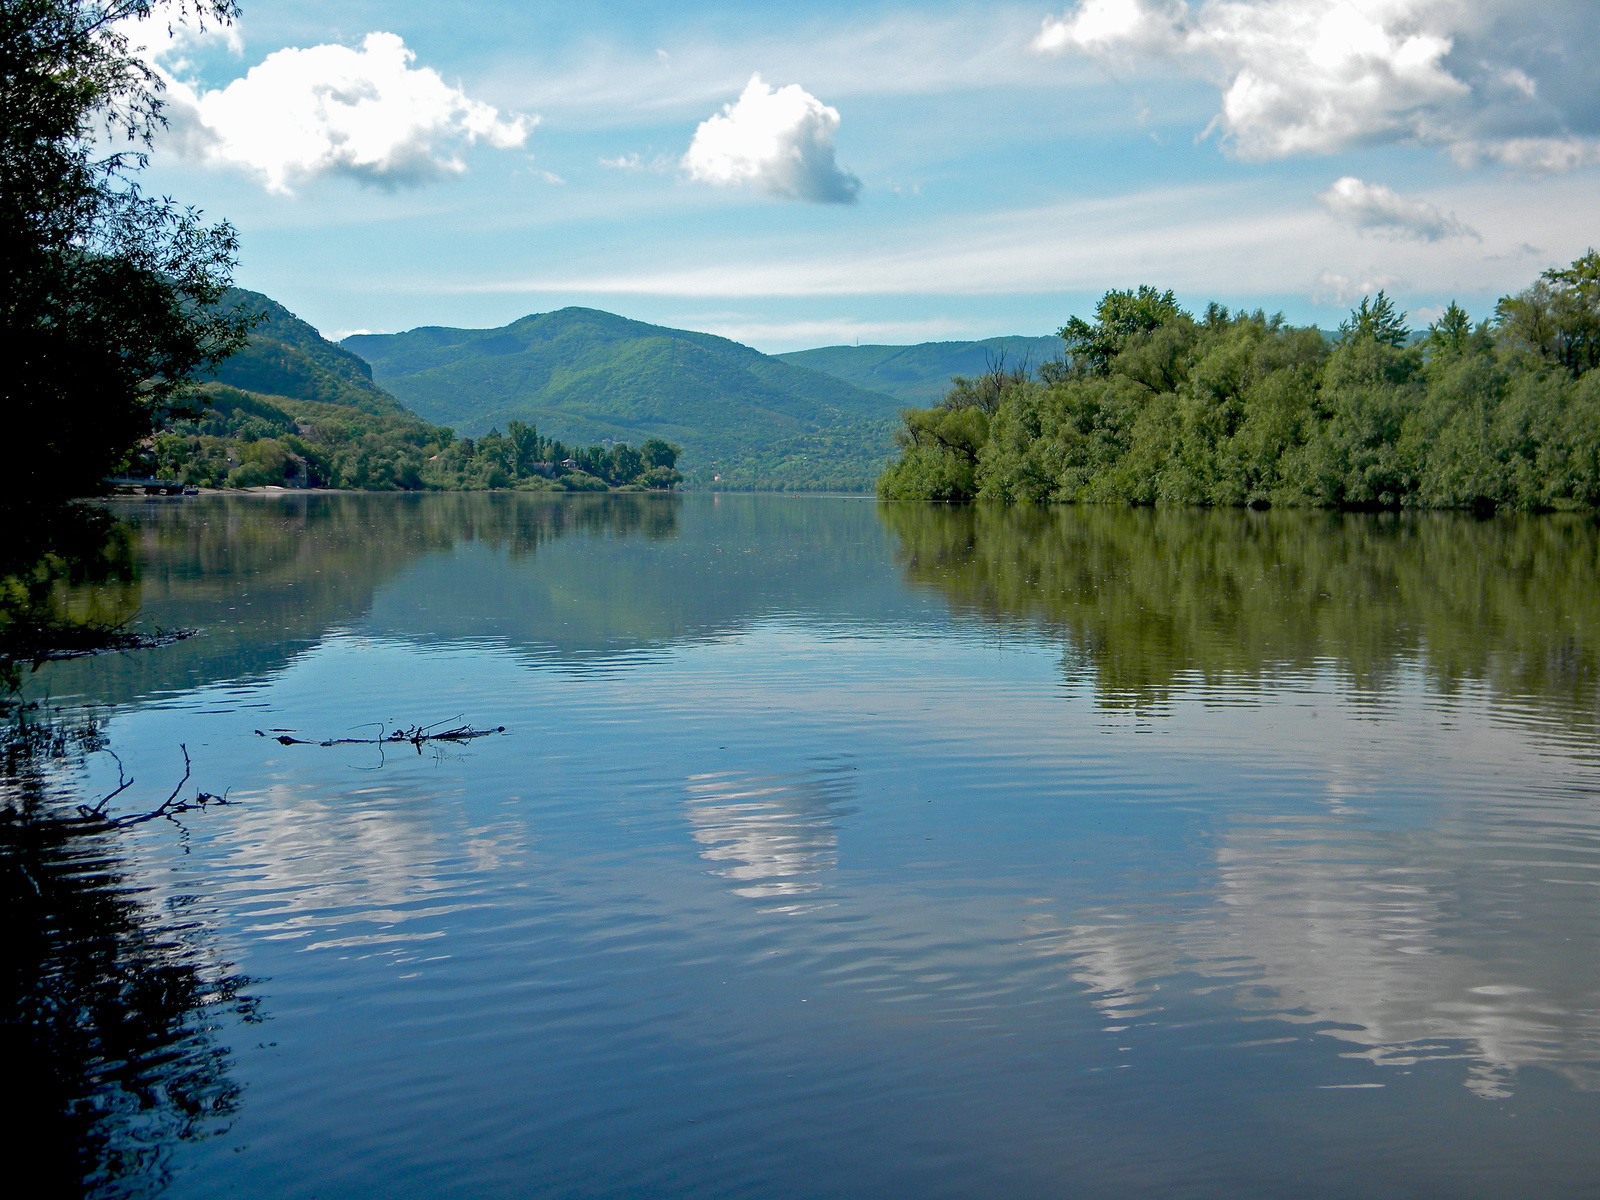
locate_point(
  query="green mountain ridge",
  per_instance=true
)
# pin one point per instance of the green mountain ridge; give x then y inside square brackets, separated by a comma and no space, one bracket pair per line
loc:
[920,374]
[586,376]
[287,357]
[296,410]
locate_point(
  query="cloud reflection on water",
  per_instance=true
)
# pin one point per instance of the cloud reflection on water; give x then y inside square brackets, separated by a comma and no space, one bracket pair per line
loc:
[771,835]
[1469,937]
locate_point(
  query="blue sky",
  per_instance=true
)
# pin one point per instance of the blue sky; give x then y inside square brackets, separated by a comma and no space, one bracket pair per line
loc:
[808,174]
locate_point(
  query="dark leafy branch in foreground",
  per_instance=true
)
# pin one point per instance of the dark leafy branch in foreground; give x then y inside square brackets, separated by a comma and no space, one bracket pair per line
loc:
[414,735]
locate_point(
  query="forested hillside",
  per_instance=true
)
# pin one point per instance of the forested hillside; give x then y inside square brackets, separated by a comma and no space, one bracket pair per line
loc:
[589,376]
[294,409]
[287,357]
[921,374]
[1152,404]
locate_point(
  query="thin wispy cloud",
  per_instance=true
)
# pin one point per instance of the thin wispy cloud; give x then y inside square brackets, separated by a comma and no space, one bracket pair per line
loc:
[901,53]
[1334,288]
[1189,238]
[799,334]
[1534,156]
[778,141]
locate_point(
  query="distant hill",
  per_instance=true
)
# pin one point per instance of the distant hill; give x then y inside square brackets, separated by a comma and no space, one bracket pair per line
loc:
[919,375]
[586,376]
[294,409]
[287,357]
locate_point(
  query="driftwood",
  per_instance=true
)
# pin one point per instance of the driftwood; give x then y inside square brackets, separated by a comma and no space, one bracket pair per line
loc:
[171,807]
[414,735]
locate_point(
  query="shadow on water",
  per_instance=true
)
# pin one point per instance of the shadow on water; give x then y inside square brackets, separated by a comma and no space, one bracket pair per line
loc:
[68,587]
[1153,602]
[109,1002]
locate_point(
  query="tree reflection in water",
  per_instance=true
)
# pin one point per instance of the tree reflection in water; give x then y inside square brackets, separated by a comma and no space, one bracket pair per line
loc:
[1155,601]
[109,1004]
[47,558]
[1445,914]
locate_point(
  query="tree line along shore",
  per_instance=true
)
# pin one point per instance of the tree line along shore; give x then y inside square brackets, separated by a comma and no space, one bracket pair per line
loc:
[1150,404]
[242,440]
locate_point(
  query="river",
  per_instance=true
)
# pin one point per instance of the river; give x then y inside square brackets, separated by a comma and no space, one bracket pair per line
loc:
[836,849]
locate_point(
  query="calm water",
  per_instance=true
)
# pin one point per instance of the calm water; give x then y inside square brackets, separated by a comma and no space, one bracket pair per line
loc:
[837,851]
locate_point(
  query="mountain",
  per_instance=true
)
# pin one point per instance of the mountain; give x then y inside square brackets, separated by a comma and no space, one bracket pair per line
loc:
[586,376]
[287,357]
[919,375]
[294,409]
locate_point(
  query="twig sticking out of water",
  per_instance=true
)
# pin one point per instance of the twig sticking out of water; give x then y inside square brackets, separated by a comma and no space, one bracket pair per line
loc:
[170,807]
[416,735]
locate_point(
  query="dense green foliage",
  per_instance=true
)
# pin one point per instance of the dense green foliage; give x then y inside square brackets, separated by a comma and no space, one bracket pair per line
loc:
[1150,602]
[293,409]
[921,374]
[589,376]
[287,357]
[1150,405]
[246,440]
[109,297]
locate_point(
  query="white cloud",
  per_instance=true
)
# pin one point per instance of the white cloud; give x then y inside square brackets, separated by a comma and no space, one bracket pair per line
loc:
[1535,156]
[368,113]
[1114,24]
[167,35]
[778,141]
[1319,76]
[1382,210]
[1333,288]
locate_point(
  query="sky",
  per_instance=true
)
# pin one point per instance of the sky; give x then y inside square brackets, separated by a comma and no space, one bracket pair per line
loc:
[804,174]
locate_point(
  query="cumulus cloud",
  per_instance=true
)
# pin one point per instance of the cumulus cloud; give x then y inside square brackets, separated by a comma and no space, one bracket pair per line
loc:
[1319,76]
[1374,208]
[779,141]
[1107,25]
[368,113]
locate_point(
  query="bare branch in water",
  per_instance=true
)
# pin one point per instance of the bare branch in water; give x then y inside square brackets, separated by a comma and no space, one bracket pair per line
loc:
[123,784]
[172,806]
[416,735]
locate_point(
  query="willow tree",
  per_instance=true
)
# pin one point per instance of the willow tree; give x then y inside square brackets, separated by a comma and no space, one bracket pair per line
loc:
[110,295]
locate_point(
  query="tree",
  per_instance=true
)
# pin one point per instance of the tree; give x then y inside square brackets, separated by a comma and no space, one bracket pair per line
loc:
[1558,318]
[627,464]
[1375,319]
[1452,332]
[658,453]
[526,446]
[110,296]
[1119,318]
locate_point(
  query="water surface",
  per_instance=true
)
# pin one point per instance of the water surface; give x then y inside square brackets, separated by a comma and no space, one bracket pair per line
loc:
[838,850]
